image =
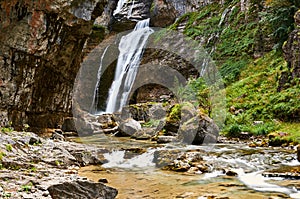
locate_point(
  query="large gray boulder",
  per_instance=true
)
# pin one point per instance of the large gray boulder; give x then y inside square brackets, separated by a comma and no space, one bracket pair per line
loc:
[128,127]
[197,128]
[82,190]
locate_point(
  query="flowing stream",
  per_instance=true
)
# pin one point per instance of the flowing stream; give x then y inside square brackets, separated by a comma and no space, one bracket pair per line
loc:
[137,176]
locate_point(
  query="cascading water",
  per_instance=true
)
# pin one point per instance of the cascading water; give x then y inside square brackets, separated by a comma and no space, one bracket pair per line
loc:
[119,6]
[131,49]
[95,102]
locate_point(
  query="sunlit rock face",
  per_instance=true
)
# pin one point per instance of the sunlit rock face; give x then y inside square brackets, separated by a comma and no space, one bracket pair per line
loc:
[165,12]
[41,45]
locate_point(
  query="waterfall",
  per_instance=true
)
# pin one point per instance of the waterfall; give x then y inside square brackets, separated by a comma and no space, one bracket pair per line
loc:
[130,10]
[119,6]
[95,102]
[131,48]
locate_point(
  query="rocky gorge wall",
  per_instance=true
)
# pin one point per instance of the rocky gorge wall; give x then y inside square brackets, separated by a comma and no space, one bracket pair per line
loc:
[292,50]
[41,46]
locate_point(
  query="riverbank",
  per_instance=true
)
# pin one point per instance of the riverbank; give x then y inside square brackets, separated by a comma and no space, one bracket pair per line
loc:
[35,167]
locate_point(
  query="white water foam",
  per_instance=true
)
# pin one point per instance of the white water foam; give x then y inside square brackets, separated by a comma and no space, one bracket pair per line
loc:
[116,160]
[258,182]
[119,6]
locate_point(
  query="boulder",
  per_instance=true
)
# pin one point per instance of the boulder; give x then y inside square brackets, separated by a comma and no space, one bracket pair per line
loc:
[163,13]
[144,134]
[128,127]
[82,189]
[199,129]
[68,125]
[165,139]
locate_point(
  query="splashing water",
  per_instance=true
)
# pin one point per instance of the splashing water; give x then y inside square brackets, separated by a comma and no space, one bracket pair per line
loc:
[116,159]
[119,6]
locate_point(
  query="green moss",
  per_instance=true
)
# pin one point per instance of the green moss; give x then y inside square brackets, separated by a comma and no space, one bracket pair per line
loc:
[98,33]
[2,154]
[174,114]
[8,147]
[151,123]
[27,187]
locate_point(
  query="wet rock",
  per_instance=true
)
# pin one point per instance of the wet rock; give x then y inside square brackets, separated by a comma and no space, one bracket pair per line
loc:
[129,127]
[171,127]
[198,130]
[68,125]
[82,189]
[103,180]
[34,140]
[245,135]
[180,166]
[132,11]
[144,134]
[231,173]
[57,136]
[140,112]
[165,139]
[163,13]
[165,158]
[106,121]
[298,152]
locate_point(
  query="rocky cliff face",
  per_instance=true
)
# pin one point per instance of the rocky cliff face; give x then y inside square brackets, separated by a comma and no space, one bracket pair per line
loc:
[42,42]
[41,46]
[292,50]
[165,12]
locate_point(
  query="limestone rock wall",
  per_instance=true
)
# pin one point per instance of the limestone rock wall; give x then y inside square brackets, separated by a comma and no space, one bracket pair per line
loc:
[292,50]
[41,46]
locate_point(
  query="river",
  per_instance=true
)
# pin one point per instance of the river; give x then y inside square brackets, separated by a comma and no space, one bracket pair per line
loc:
[233,170]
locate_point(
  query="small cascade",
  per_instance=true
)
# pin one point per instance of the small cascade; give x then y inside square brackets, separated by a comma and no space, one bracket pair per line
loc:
[116,159]
[95,102]
[131,8]
[119,6]
[131,49]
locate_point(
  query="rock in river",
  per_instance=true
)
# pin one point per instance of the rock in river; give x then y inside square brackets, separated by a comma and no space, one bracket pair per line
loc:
[82,189]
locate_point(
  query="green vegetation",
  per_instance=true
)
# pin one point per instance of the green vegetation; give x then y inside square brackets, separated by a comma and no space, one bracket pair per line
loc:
[6,195]
[7,129]
[174,114]
[2,154]
[98,33]
[32,169]
[195,91]
[281,19]
[246,46]
[27,187]
[293,130]
[8,147]
[151,123]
